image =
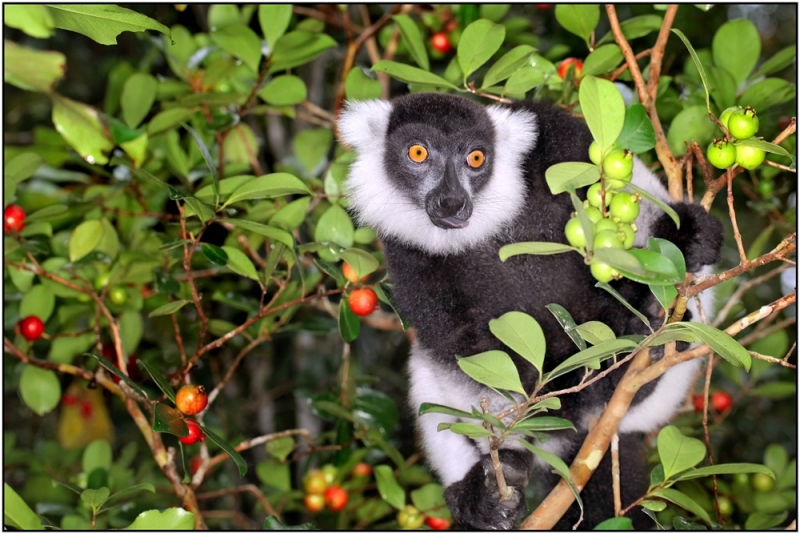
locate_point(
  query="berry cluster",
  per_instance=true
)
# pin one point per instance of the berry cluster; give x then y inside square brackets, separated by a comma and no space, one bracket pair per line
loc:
[410,518]
[320,490]
[191,400]
[741,123]
[610,210]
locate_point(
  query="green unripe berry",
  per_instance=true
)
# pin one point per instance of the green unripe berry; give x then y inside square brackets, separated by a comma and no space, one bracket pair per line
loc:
[595,155]
[574,233]
[630,236]
[616,185]
[725,505]
[726,115]
[721,154]
[766,188]
[618,164]
[101,281]
[594,197]
[625,207]
[118,295]
[607,239]
[602,272]
[594,214]
[762,482]
[749,157]
[743,124]
[605,224]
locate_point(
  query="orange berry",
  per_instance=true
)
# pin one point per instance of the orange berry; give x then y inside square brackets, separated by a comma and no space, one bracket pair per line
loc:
[191,399]
[363,301]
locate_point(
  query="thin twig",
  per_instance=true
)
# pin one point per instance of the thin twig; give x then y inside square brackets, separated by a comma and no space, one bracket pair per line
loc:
[615,481]
[737,236]
[742,289]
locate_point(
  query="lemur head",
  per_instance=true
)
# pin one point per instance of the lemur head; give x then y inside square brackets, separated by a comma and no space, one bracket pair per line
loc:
[436,171]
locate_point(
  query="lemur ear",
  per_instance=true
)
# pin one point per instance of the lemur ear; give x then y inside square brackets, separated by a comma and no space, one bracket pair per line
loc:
[515,129]
[363,124]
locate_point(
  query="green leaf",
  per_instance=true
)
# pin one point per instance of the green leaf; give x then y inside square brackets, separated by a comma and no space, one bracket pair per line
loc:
[281,447]
[359,86]
[778,62]
[222,444]
[39,301]
[275,234]
[478,43]
[494,369]
[160,381]
[567,323]
[656,506]
[32,70]
[722,87]
[578,19]
[274,20]
[297,48]
[507,65]
[292,215]
[775,390]
[595,332]
[736,48]
[214,254]
[558,466]
[521,333]
[138,95]
[412,38]
[637,132]
[85,239]
[525,79]
[603,108]
[94,498]
[768,93]
[725,469]
[362,262]
[700,70]
[79,125]
[602,60]
[765,146]
[335,226]
[22,167]
[493,12]
[408,74]
[388,487]
[678,452]
[110,367]
[16,513]
[615,523]
[102,22]
[241,42]
[239,263]
[570,176]
[124,493]
[670,251]
[268,186]
[285,90]
[682,500]
[96,455]
[33,19]
[169,308]
[661,268]
[429,407]
[168,419]
[533,247]
[662,205]
[349,324]
[470,430]
[40,389]
[169,519]
[544,424]
[311,147]
[168,119]
[720,342]
[595,354]
[428,497]
[764,521]
[634,28]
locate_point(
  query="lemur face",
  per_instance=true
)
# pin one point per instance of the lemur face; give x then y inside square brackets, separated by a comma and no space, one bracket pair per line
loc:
[436,171]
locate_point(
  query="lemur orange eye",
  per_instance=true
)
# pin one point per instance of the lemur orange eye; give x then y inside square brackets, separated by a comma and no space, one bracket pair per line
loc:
[418,153]
[475,159]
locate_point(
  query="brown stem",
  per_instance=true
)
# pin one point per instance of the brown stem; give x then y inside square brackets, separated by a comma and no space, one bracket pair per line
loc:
[737,236]
[622,68]
[247,488]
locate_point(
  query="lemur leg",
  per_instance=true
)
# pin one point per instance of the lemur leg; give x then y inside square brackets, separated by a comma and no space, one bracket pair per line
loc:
[462,464]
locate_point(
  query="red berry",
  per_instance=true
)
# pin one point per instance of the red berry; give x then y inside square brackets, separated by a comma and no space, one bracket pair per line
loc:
[363,301]
[721,401]
[13,218]
[441,42]
[314,503]
[194,464]
[350,273]
[563,67]
[191,399]
[336,498]
[437,523]
[69,399]
[543,6]
[697,400]
[195,434]
[86,409]
[362,470]
[31,328]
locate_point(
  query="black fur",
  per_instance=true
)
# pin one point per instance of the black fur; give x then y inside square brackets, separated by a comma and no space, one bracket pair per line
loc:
[451,298]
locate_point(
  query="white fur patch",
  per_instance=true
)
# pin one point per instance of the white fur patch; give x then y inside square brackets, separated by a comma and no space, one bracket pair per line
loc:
[384,207]
[648,212]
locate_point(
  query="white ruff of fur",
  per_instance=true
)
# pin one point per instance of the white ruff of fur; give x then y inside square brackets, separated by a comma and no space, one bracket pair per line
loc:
[382,206]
